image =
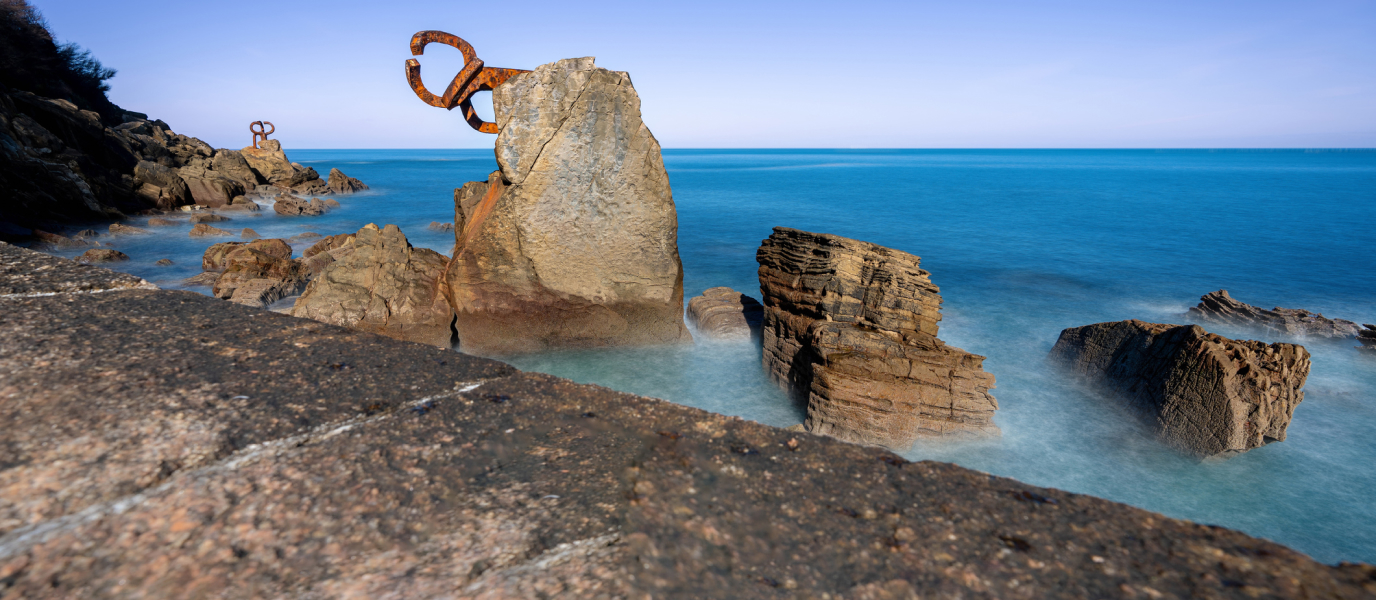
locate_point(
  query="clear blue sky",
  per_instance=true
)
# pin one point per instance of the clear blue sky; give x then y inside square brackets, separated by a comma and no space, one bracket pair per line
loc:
[765,74]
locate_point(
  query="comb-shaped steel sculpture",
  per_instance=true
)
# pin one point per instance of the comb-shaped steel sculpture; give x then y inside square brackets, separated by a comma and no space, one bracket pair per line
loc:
[261,133]
[473,78]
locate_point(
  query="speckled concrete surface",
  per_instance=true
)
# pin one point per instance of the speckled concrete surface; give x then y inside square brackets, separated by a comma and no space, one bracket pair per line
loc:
[168,445]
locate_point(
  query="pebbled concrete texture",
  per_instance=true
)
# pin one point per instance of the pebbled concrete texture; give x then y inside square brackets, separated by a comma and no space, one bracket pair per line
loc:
[168,445]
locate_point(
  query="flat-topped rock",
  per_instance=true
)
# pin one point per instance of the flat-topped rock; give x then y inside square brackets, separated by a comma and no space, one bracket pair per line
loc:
[724,313]
[850,329]
[1219,307]
[206,449]
[1201,393]
[28,273]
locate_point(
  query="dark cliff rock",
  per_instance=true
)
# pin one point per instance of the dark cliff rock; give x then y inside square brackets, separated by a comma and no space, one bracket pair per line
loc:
[850,327]
[1219,307]
[165,462]
[1367,336]
[1203,394]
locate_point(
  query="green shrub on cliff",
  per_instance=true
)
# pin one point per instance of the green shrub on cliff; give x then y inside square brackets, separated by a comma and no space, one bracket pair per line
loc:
[31,60]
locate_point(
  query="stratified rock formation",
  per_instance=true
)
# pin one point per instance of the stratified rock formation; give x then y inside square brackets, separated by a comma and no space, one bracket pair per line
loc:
[1202,393]
[724,313]
[1219,307]
[574,242]
[378,282]
[340,183]
[1367,336]
[851,328]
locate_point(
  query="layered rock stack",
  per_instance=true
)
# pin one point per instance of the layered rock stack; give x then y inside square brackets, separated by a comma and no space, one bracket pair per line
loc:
[1201,393]
[376,281]
[574,242]
[1219,307]
[1367,336]
[851,328]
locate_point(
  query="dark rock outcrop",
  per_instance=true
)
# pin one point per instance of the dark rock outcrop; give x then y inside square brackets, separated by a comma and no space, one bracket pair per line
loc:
[574,242]
[1201,393]
[1367,336]
[1219,307]
[162,463]
[722,312]
[380,283]
[292,206]
[851,329]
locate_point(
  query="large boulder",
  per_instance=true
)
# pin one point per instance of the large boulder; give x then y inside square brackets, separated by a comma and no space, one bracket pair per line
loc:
[574,242]
[381,284]
[1201,393]
[724,313]
[244,265]
[343,184]
[269,162]
[293,206]
[850,328]
[210,188]
[1219,307]
[231,163]
[161,186]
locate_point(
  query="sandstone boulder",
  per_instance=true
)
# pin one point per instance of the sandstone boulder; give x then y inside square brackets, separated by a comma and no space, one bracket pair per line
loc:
[292,205]
[269,162]
[208,218]
[214,257]
[209,188]
[329,243]
[203,230]
[438,226]
[246,264]
[162,187]
[231,163]
[383,285]
[206,279]
[331,203]
[119,229]
[1201,393]
[101,255]
[164,262]
[850,328]
[161,222]
[249,234]
[1219,307]
[340,183]
[53,240]
[574,242]
[722,312]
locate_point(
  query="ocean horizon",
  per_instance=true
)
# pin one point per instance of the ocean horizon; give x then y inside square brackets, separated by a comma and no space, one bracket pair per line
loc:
[1022,243]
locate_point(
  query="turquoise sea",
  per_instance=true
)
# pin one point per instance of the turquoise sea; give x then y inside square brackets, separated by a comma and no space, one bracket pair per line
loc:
[1022,245]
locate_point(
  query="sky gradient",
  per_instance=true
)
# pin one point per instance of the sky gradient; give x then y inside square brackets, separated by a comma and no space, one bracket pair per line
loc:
[764,74]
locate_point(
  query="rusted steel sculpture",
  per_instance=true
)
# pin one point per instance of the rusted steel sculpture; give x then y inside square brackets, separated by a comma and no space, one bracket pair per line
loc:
[473,78]
[259,134]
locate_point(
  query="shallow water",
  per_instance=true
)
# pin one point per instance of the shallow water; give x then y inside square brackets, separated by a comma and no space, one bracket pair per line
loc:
[1022,245]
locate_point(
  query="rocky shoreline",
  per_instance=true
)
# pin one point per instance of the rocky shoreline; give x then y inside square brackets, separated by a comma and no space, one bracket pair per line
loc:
[186,468]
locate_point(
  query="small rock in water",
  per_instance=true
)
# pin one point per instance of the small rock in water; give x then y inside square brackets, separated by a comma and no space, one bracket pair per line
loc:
[160,222]
[722,312]
[86,234]
[318,204]
[59,241]
[249,234]
[164,262]
[203,230]
[208,218]
[340,183]
[118,229]
[1203,393]
[1219,307]
[438,226]
[332,203]
[301,237]
[101,255]
[293,205]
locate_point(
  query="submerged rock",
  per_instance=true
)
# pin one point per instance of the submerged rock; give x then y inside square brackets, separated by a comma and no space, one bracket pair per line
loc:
[203,230]
[119,229]
[574,242]
[850,327]
[722,312]
[1219,307]
[161,222]
[1201,393]
[381,284]
[249,234]
[101,255]
[164,262]
[1367,336]
[208,218]
[438,226]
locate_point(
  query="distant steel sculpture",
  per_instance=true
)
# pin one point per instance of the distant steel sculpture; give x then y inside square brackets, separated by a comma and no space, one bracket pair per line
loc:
[259,134]
[473,78]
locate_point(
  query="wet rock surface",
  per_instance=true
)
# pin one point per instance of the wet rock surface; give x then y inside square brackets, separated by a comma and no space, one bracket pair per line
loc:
[206,449]
[850,328]
[1219,307]
[574,242]
[376,281]
[724,313]
[1201,393]
[1367,336]
[26,273]
[101,255]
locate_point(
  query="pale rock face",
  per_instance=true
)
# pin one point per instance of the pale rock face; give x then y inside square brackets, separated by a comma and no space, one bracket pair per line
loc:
[850,328]
[381,284]
[574,242]
[1201,393]
[724,313]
